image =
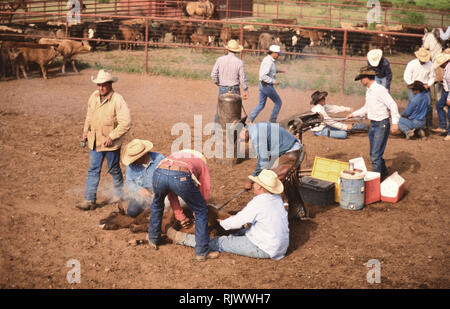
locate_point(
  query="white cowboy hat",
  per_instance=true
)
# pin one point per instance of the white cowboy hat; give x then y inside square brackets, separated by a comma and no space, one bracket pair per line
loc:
[374,57]
[234,46]
[195,153]
[268,180]
[423,54]
[275,49]
[441,59]
[136,149]
[104,77]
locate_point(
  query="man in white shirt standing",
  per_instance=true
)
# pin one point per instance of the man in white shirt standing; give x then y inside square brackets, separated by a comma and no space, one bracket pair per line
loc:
[268,233]
[378,107]
[267,81]
[421,69]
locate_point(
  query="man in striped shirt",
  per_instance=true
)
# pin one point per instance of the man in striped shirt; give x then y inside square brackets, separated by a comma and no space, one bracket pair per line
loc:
[228,73]
[379,105]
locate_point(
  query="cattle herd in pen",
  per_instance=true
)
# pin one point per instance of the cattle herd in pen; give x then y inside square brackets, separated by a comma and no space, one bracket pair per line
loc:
[41,42]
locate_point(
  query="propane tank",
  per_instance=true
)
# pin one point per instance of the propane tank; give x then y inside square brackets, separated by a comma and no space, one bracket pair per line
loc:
[229,111]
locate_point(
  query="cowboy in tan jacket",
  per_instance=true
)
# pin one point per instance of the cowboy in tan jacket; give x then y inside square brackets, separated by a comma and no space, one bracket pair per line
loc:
[107,121]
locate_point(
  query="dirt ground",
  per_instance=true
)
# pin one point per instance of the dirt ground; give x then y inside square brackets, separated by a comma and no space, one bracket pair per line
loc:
[43,172]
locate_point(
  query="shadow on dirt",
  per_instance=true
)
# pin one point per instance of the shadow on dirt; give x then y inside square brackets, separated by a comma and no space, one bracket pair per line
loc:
[300,232]
[404,162]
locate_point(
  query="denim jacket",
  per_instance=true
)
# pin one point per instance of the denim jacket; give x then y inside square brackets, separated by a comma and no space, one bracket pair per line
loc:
[269,141]
[138,176]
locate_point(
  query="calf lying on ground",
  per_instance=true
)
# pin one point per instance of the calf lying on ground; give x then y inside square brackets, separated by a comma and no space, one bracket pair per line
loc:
[119,220]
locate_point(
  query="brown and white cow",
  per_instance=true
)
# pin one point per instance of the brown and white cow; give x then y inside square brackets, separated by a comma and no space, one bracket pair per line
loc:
[68,50]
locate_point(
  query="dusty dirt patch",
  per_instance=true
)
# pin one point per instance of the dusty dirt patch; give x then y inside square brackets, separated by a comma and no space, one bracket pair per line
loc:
[43,172]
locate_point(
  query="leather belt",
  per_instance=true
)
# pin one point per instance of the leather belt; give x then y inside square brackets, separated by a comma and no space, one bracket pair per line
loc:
[265,84]
[174,168]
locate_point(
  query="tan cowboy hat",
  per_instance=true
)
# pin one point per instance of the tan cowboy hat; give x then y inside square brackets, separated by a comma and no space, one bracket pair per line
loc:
[234,46]
[374,57]
[317,96]
[136,149]
[195,153]
[441,59]
[423,55]
[268,180]
[104,77]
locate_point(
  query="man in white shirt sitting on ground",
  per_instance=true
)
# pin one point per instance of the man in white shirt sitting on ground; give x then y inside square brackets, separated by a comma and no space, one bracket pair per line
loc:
[268,233]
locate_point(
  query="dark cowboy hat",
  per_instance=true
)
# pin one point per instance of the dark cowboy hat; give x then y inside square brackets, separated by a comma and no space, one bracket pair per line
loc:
[417,85]
[317,96]
[365,72]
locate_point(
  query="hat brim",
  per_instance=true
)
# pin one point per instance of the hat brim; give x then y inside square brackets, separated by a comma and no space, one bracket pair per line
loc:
[361,76]
[102,81]
[127,159]
[236,50]
[321,96]
[422,58]
[278,189]
[374,62]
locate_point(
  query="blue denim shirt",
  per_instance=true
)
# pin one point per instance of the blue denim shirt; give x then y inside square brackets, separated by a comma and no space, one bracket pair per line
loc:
[139,176]
[269,145]
[417,107]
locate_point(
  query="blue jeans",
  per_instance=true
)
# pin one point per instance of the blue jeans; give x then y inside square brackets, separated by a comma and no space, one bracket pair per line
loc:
[180,183]
[95,165]
[378,137]
[429,116]
[264,93]
[336,133]
[441,113]
[223,90]
[135,208]
[405,125]
[236,244]
[382,81]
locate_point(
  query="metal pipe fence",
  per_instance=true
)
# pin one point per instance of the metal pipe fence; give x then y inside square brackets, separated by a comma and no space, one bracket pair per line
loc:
[339,44]
[331,13]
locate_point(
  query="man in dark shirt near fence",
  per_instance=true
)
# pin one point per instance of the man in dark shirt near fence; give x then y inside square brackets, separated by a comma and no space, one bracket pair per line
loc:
[381,66]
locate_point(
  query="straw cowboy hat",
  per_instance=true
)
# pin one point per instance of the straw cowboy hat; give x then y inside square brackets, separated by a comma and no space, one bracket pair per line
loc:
[417,85]
[268,180]
[275,49]
[317,96]
[195,153]
[103,77]
[365,72]
[423,55]
[136,149]
[441,59]
[233,46]
[374,57]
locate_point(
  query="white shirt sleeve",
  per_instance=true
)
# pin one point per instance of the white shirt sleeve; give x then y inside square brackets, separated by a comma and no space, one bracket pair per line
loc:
[362,112]
[407,75]
[334,109]
[390,103]
[432,77]
[246,215]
